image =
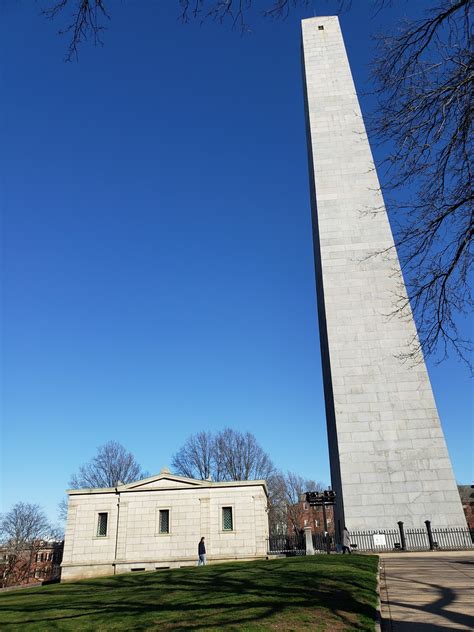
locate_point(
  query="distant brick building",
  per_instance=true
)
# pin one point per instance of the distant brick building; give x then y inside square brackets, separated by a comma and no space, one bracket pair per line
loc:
[466,492]
[303,515]
[47,562]
[39,563]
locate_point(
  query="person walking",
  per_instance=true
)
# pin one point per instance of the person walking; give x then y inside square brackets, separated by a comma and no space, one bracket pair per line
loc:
[201,552]
[346,541]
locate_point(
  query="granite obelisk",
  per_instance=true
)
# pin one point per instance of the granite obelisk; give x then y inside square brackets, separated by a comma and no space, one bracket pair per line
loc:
[389,460]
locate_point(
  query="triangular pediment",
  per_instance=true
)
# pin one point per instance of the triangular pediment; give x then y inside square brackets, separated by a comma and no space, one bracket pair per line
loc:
[164,481]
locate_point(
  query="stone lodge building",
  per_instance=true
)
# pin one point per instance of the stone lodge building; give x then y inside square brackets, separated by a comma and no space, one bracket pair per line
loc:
[157,522]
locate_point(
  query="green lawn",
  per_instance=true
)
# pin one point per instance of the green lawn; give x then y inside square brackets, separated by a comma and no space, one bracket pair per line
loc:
[331,593]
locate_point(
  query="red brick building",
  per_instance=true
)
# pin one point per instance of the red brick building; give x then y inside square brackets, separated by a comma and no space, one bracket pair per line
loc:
[303,515]
[40,563]
[466,493]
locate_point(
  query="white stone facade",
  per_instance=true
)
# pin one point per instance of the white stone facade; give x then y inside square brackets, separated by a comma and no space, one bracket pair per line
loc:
[137,538]
[389,460]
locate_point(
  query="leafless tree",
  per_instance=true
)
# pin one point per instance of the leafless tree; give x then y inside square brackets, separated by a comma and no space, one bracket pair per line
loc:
[286,501]
[22,531]
[112,464]
[85,21]
[196,458]
[239,457]
[424,76]
[295,488]
[277,510]
[227,456]
[62,510]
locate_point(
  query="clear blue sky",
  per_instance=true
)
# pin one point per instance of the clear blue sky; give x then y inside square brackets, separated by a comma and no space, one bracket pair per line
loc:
[157,257]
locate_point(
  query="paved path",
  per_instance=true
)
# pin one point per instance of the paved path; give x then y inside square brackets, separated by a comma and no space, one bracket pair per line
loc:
[427,592]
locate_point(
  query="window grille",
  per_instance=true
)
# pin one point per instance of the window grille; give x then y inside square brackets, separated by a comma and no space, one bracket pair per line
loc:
[164,521]
[227,519]
[102,525]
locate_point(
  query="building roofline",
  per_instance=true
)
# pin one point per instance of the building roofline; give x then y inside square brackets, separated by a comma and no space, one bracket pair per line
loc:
[193,484]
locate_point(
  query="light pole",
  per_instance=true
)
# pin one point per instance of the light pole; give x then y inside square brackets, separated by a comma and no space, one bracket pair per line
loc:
[323,499]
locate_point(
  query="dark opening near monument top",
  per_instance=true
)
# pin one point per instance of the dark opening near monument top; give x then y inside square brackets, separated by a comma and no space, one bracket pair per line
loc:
[388,456]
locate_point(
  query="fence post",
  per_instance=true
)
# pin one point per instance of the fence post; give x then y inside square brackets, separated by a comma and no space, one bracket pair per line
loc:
[402,535]
[309,541]
[430,534]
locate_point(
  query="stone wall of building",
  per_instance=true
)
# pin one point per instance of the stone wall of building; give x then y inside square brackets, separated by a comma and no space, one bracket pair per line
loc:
[134,541]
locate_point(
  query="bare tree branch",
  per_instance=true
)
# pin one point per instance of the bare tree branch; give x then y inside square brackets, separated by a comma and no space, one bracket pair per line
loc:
[85,22]
[424,74]
[240,456]
[295,488]
[85,19]
[228,456]
[111,465]
[195,459]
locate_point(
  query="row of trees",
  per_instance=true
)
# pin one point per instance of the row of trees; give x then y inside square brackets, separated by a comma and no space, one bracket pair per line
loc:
[228,455]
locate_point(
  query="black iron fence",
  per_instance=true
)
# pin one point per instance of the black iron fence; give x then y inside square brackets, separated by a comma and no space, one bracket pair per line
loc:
[453,539]
[321,542]
[383,540]
[411,539]
[417,540]
[293,544]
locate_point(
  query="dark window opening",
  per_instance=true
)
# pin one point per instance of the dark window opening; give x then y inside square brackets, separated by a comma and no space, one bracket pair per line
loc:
[164,526]
[227,519]
[102,525]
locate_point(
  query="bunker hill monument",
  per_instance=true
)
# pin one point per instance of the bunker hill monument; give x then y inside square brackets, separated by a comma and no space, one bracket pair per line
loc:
[389,460]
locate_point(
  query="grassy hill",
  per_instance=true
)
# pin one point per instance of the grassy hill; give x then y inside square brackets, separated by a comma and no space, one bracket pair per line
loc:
[320,593]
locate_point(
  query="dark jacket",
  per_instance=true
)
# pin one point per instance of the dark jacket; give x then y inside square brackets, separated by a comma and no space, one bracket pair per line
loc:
[201,548]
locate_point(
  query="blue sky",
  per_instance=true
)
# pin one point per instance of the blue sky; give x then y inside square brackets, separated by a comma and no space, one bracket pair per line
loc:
[157,257]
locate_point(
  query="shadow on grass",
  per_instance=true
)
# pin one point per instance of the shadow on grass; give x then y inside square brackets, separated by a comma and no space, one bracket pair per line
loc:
[290,594]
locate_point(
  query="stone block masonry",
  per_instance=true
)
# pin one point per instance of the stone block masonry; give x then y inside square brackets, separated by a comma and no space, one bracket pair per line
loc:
[133,536]
[388,456]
